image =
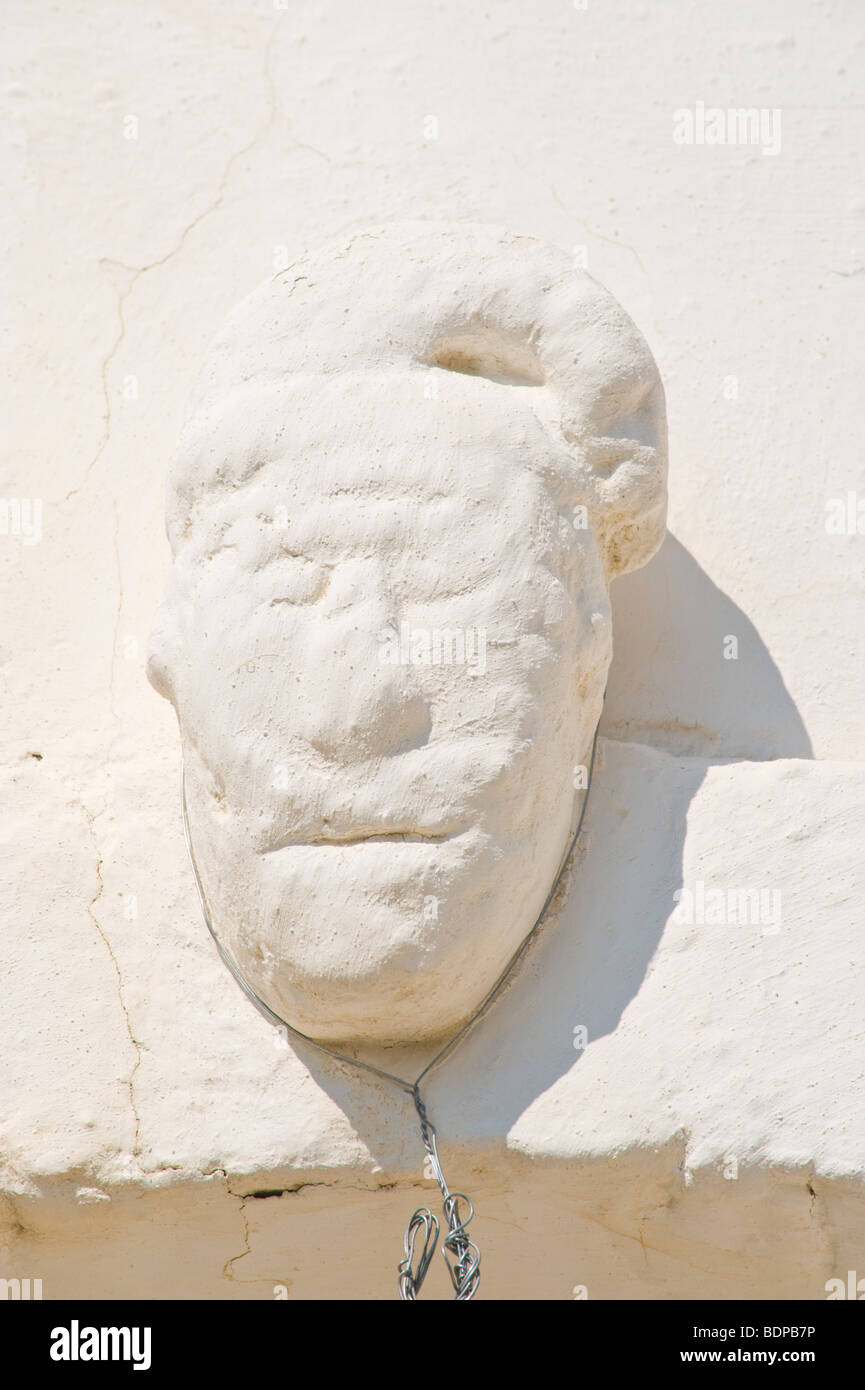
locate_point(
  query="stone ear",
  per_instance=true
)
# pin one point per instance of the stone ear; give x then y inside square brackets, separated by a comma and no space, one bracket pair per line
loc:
[619,445]
[621,450]
[607,403]
[530,318]
[613,417]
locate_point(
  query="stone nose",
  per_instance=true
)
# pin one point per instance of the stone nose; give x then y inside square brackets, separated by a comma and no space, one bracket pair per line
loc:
[369,704]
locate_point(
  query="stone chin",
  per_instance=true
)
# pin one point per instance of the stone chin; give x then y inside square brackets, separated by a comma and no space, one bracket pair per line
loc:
[413,466]
[391,935]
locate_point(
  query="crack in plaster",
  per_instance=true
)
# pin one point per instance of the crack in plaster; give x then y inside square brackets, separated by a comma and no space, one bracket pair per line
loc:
[613,241]
[136,272]
[228,1267]
[130,1080]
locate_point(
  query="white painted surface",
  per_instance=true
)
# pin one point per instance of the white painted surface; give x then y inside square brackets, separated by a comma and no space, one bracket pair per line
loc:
[262,133]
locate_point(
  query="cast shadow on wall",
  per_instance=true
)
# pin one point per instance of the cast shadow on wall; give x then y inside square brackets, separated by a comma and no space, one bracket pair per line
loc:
[693,708]
[674,683]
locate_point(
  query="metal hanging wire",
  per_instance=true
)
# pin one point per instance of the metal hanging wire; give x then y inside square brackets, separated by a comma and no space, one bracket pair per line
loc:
[461,1255]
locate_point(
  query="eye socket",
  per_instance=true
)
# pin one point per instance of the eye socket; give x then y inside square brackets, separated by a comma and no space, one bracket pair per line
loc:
[300,579]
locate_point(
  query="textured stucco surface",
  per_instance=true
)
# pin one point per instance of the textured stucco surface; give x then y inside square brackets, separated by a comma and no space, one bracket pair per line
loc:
[140,1094]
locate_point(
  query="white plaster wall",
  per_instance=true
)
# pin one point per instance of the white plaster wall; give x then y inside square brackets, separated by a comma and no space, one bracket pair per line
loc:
[137,1083]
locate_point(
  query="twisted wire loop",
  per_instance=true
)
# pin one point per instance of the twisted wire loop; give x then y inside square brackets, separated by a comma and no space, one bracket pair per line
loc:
[461,1254]
[410,1280]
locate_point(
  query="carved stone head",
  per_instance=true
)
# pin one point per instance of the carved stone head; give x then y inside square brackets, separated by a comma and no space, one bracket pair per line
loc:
[413,465]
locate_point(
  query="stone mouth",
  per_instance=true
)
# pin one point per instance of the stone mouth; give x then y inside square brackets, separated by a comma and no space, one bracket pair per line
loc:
[366,836]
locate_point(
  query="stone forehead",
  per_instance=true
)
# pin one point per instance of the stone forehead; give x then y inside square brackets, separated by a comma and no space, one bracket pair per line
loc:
[327,362]
[370,431]
[422,292]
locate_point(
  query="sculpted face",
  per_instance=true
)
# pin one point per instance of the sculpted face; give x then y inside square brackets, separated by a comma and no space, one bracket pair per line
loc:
[386,636]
